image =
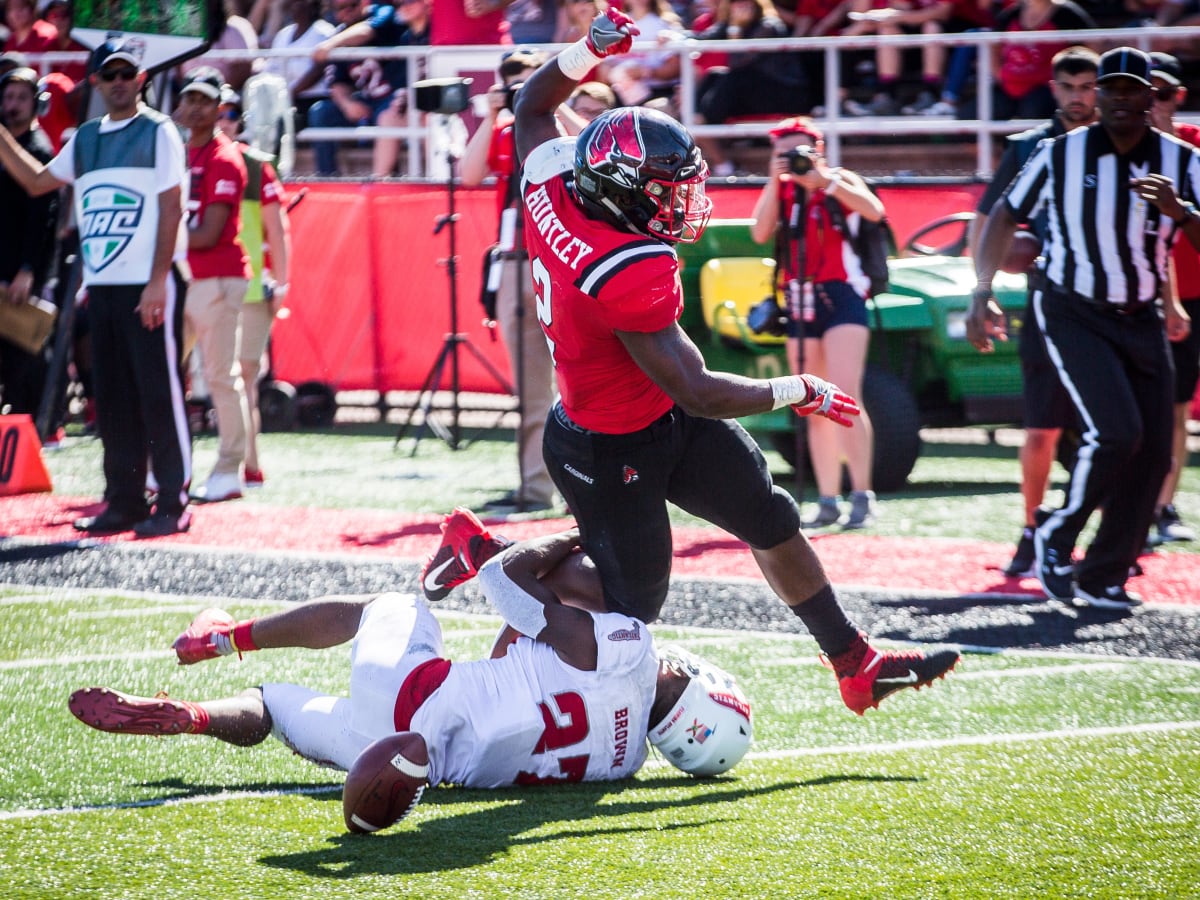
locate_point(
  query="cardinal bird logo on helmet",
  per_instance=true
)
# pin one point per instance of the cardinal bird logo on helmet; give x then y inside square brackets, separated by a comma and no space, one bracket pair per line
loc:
[617,148]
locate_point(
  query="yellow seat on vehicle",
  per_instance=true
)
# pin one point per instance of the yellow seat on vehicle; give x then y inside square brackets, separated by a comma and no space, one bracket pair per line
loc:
[729,287]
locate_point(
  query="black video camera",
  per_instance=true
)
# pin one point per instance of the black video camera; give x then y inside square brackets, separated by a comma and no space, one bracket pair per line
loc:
[447,96]
[510,95]
[800,159]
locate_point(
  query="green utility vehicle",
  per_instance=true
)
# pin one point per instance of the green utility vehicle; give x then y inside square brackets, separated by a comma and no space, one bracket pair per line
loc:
[921,369]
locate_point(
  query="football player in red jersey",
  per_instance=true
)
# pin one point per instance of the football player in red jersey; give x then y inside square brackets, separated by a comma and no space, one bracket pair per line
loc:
[641,420]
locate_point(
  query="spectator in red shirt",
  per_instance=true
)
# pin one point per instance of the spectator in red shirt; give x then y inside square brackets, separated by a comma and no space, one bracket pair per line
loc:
[1024,71]
[220,273]
[27,33]
[61,14]
[468,22]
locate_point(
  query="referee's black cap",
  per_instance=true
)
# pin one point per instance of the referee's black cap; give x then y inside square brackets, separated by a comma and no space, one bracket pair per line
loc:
[1124,62]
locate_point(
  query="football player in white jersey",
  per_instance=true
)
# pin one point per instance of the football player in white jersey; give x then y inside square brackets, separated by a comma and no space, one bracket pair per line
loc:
[576,704]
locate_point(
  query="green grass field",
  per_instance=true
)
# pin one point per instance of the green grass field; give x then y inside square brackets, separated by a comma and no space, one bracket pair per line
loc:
[1018,776]
[1021,775]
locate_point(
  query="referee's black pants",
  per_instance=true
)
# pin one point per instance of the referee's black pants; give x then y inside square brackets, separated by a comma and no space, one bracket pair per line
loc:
[1117,369]
[140,410]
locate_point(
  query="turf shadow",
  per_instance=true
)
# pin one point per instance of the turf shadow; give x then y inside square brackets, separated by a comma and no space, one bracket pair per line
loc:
[477,837]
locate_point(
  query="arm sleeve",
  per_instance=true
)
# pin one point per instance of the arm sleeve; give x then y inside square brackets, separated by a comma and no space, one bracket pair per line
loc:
[1024,195]
[37,233]
[62,166]
[1005,172]
[170,168]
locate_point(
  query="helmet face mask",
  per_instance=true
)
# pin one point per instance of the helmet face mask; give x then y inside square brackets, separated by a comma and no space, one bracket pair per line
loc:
[709,729]
[641,170]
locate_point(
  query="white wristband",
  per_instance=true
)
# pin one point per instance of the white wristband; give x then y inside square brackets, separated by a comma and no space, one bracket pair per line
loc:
[279,291]
[834,180]
[577,60]
[788,389]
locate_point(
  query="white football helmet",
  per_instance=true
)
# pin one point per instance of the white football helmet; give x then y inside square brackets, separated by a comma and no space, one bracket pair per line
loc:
[709,730]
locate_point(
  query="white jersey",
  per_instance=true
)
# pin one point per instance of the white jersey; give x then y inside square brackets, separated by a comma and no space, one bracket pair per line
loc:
[529,718]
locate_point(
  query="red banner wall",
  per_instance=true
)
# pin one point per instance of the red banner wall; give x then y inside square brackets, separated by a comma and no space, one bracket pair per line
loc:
[369,294]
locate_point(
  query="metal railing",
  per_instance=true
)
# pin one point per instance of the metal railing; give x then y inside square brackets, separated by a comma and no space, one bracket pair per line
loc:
[429,62]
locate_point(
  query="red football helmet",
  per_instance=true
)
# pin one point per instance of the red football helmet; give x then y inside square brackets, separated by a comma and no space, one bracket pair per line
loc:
[641,169]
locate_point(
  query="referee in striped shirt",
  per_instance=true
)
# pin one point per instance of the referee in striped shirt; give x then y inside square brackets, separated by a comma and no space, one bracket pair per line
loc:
[1117,194]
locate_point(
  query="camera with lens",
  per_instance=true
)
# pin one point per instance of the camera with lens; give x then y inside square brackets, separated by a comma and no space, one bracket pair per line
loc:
[510,95]
[767,317]
[800,159]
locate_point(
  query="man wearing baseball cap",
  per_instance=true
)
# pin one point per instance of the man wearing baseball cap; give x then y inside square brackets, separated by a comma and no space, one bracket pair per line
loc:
[220,272]
[127,169]
[1099,308]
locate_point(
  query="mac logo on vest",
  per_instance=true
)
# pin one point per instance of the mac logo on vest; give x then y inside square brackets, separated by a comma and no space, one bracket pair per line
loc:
[111,214]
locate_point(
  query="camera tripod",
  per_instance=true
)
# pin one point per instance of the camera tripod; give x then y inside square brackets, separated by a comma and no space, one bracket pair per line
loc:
[451,342]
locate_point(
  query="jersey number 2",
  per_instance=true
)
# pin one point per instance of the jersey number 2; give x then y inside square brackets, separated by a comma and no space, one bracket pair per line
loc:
[542,292]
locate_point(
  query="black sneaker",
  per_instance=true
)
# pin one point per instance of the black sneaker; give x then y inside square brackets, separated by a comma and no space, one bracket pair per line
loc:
[1055,571]
[1024,561]
[162,524]
[110,521]
[1112,597]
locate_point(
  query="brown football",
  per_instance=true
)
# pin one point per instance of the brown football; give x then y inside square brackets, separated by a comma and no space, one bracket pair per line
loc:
[1022,252]
[385,782]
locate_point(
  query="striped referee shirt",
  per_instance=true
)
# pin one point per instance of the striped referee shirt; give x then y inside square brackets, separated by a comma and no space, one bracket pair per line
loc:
[1103,242]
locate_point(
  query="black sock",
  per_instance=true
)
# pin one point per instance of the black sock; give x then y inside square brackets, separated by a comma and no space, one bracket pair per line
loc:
[827,622]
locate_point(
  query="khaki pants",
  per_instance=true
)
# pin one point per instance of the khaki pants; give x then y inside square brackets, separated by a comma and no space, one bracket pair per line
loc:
[533,376]
[212,313]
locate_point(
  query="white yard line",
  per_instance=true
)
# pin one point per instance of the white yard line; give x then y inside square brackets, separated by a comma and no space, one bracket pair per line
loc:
[980,740]
[75,659]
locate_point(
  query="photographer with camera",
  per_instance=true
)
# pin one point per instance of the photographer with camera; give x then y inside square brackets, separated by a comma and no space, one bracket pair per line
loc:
[812,211]
[490,152]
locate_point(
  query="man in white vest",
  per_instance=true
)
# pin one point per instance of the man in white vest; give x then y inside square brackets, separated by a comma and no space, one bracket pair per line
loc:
[130,179]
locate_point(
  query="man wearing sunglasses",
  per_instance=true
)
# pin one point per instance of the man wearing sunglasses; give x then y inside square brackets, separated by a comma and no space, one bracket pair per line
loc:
[129,179]
[1169,96]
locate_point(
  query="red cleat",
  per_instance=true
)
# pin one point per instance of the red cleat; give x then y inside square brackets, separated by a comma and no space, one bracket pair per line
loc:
[206,638]
[112,711]
[866,676]
[466,545]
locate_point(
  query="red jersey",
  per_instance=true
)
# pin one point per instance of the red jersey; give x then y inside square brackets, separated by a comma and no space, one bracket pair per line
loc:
[828,256]
[591,280]
[1184,257]
[218,175]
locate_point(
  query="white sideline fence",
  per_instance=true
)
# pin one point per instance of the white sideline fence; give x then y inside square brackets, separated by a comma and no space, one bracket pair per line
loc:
[422,136]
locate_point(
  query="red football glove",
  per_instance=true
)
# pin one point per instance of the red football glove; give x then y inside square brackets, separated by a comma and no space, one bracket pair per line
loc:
[611,33]
[828,400]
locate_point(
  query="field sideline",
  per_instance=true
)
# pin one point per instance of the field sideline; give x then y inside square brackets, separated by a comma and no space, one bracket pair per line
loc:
[1022,774]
